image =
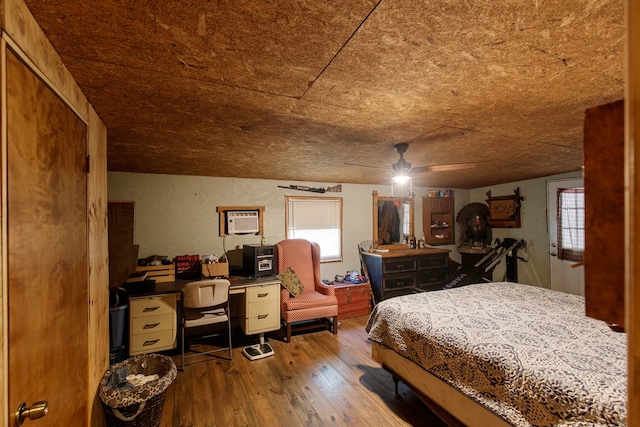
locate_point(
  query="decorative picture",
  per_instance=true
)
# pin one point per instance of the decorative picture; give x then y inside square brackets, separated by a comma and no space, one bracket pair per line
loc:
[504,211]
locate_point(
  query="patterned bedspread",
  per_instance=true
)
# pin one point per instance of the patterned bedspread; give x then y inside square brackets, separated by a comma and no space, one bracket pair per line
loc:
[527,353]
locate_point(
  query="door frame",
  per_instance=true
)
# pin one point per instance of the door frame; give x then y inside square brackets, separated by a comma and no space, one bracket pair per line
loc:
[575,274]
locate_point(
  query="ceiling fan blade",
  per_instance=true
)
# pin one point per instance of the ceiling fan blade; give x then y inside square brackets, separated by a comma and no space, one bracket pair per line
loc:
[363,166]
[443,168]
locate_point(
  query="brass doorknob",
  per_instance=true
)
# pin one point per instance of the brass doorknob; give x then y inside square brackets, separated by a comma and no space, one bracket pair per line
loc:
[37,410]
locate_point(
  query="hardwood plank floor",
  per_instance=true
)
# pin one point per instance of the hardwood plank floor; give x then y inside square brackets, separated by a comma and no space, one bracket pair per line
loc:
[319,379]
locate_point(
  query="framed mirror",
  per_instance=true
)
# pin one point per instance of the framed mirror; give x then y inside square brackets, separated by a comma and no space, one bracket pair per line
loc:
[392,219]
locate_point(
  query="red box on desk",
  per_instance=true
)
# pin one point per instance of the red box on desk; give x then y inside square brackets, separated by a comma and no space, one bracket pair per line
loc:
[354,299]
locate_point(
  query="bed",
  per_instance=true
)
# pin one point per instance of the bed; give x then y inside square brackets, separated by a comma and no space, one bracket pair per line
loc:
[504,353]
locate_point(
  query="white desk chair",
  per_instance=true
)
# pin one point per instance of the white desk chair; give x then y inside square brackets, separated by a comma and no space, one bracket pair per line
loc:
[205,303]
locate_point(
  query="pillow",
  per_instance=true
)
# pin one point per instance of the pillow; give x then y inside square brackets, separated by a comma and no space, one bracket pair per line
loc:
[290,280]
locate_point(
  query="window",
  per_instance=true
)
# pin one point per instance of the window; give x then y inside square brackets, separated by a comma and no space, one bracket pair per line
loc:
[317,219]
[571,224]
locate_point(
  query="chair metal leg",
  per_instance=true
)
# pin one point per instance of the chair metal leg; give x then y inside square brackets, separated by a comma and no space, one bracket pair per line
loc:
[202,353]
[229,334]
[182,369]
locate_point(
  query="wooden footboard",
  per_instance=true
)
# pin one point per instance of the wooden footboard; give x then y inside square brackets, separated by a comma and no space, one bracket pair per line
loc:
[453,407]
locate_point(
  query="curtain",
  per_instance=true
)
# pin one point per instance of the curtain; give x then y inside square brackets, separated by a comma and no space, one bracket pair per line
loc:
[570,219]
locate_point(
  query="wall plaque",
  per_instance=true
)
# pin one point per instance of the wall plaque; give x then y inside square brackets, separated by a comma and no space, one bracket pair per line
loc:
[504,211]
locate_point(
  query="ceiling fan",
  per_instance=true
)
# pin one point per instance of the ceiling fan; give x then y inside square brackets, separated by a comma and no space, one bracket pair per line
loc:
[403,168]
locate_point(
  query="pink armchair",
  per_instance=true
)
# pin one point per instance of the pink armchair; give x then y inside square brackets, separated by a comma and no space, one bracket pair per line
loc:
[317,301]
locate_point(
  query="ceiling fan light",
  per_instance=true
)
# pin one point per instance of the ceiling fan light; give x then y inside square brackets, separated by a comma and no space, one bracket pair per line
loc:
[403,183]
[401,178]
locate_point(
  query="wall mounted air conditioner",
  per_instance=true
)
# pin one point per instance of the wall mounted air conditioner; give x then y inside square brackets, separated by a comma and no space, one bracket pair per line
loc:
[243,222]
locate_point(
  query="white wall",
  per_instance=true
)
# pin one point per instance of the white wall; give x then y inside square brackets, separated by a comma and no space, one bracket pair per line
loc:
[534,229]
[176,215]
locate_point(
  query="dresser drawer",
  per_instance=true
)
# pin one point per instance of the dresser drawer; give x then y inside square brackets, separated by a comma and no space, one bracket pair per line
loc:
[354,309]
[435,261]
[152,306]
[398,282]
[262,316]
[147,324]
[262,293]
[347,294]
[156,341]
[432,277]
[399,265]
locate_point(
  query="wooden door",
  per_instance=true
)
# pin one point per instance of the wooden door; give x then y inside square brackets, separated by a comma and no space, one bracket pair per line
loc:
[47,262]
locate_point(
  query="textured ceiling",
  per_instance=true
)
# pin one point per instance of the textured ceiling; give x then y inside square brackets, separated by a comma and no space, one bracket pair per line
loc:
[321,91]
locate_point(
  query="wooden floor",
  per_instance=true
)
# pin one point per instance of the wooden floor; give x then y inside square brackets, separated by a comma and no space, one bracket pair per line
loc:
[319,379]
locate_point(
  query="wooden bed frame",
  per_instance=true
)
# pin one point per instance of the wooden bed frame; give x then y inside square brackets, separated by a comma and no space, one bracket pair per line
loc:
[453,407]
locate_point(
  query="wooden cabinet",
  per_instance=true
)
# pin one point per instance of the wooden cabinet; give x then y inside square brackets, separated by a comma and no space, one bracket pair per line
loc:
[604,252]
[152,323]
[123,254]
[260,309]
[353,299]
[399,272]
[438,220]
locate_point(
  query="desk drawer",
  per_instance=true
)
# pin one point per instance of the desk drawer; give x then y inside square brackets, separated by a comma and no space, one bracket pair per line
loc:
[262,316]
[263,293]
[147,324]
[152,306]
[148,343]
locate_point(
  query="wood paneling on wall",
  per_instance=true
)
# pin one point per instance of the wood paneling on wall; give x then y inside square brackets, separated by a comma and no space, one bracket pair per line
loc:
[22,33]
[25,33]
[98,262]
[632,209]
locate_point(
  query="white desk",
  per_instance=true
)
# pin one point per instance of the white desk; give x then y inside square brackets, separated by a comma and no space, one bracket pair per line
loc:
[258,312]
[259,308]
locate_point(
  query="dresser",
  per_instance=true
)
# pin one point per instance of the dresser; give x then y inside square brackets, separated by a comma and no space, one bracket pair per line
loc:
[152,323]
[398,272]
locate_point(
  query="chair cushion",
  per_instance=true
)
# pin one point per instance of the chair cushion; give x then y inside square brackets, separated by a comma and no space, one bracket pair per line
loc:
[310,299]
[290,280]
[202,318]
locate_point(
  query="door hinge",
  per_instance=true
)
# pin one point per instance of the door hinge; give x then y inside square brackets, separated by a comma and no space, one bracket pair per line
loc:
[88,164]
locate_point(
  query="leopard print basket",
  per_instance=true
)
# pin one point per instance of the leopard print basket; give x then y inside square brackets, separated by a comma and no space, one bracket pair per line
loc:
[135,405]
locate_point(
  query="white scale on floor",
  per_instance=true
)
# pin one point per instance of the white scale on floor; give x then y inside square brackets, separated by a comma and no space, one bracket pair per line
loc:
[258,351]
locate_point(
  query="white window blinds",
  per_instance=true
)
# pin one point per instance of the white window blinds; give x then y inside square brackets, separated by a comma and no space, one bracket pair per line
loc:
[317,219]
